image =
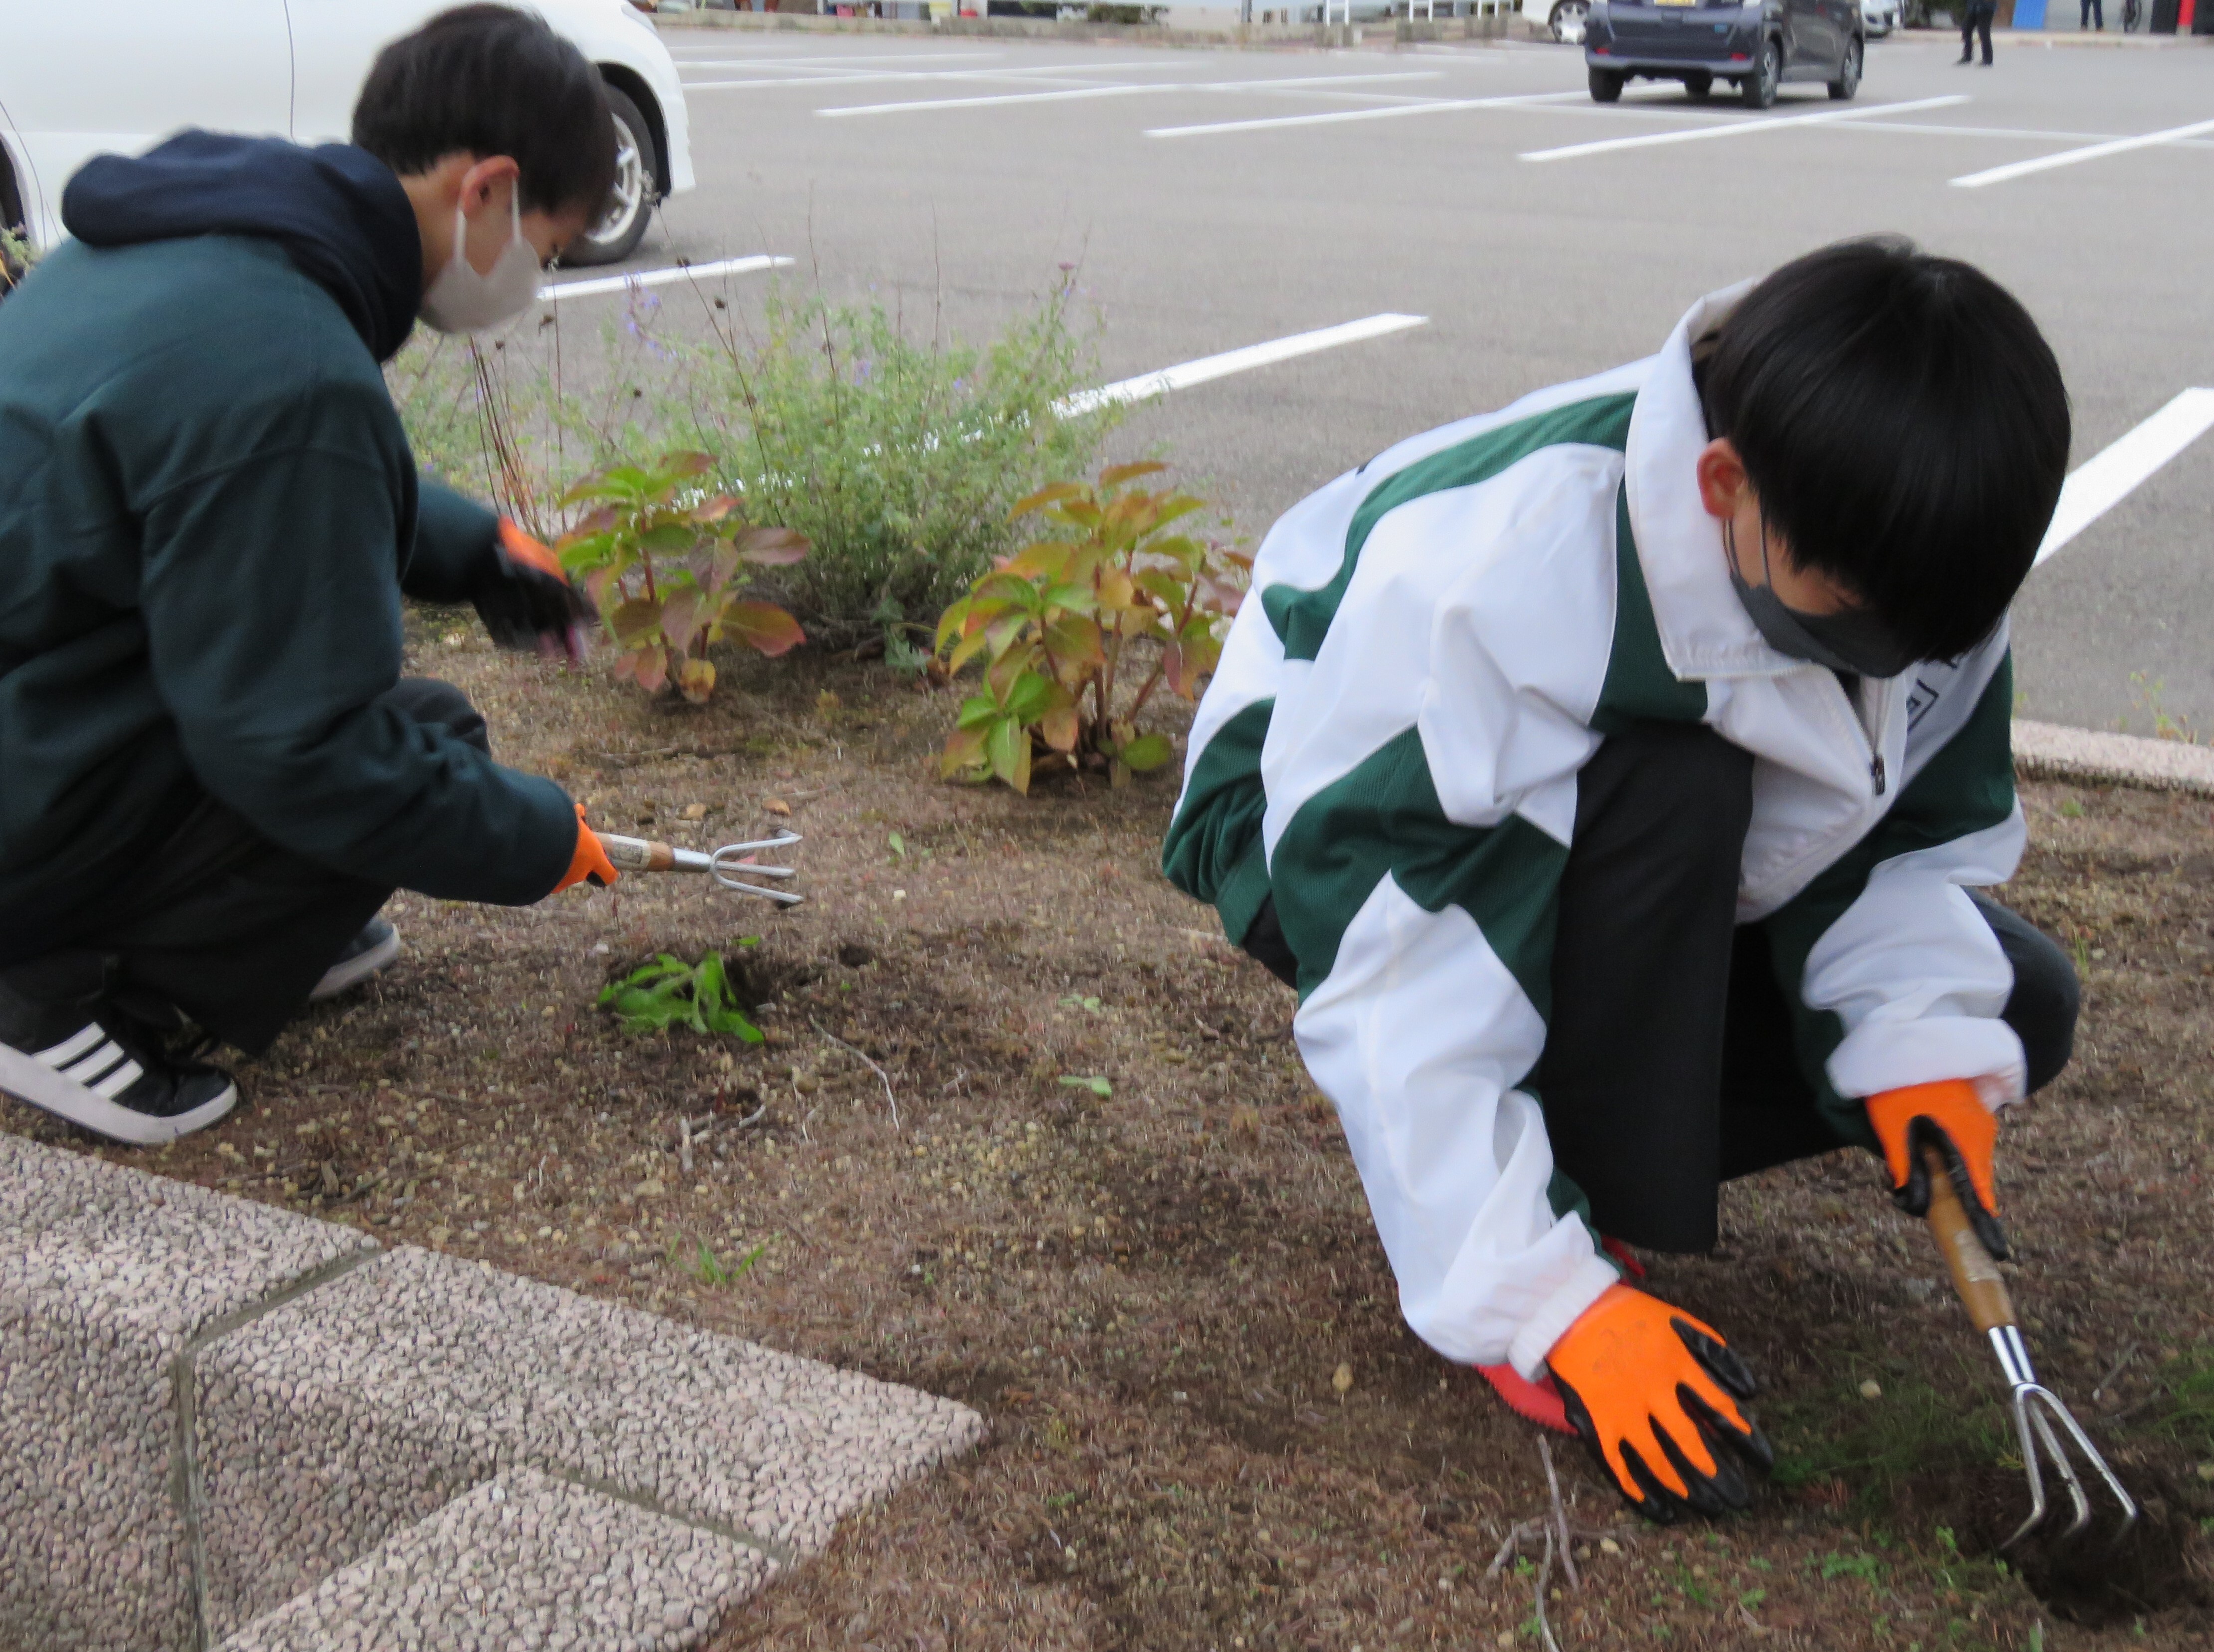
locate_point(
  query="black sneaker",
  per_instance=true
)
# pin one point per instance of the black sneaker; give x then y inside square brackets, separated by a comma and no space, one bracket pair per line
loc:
[376,946]
[105,1073]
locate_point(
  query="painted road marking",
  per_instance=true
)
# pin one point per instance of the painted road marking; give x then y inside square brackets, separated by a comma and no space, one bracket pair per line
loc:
[836,61]
[1740,128]
[1069,74]
[2109,476]
[1128,91]
[1184,374]
[659,277]
[1336,116]
[2072,157]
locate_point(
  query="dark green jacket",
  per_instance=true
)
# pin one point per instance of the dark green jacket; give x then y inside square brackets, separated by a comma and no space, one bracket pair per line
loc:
[208,515]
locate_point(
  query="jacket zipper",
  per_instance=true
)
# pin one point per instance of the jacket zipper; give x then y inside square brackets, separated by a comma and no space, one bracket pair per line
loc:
[1871,708]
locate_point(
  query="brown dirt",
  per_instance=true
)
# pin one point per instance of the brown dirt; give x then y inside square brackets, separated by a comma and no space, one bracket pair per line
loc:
[1148,1292]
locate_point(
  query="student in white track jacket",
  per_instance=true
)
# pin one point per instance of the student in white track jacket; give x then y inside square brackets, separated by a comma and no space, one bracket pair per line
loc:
[1610,773]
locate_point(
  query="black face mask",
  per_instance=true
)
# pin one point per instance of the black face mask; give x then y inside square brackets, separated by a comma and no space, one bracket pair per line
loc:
[1856,641]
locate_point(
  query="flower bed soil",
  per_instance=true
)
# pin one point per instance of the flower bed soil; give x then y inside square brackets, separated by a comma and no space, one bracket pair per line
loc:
[1151,1292]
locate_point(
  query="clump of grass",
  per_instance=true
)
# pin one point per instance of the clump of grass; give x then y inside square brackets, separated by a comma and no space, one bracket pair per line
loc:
[1874,1447]
[899,457]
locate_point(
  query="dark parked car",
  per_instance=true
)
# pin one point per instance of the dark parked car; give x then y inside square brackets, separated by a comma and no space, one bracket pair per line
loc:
[1756,47]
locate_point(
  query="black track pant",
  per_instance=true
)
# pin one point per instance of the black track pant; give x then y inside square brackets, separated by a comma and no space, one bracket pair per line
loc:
[221,923]
[1669,1065]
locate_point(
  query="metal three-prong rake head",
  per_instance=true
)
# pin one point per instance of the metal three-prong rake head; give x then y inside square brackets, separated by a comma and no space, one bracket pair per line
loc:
[727,866]
[2037,1410]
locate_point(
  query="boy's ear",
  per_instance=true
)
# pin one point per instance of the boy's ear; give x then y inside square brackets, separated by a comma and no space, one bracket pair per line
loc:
[1722,481]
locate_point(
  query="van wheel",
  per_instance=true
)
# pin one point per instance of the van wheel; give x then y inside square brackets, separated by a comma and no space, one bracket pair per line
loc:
[1758,90]
[1696,87]
[1567,21]
[1848,73]
[630,204]
[1606,86]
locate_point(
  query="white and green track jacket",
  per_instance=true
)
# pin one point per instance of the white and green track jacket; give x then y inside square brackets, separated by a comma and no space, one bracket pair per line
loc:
[1435,645]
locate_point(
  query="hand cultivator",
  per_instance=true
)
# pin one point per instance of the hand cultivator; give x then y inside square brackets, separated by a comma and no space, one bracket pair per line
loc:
[727,866]
[2043,1425]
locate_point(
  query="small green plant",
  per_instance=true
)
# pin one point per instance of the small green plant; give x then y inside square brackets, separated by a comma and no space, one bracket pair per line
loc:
[1091,1082]
[2147,694]
[711,1270]
[685,548]
[670,993]
[1058,628]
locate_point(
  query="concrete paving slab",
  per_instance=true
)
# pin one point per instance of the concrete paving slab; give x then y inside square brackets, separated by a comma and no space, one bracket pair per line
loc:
[358,1410]
[523,1563]
[108,1277]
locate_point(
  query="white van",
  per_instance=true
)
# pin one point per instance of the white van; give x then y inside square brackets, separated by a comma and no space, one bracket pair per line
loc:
[81,80]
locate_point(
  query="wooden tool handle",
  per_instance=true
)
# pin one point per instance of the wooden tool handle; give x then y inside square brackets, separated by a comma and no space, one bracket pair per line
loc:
[636,854]
[1975,1275]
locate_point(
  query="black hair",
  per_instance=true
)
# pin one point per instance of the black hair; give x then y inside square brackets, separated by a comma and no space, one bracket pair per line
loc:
[1905,427]
[492,80]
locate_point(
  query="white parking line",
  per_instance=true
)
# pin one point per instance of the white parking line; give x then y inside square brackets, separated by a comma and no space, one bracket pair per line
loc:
[659,277]
[1739,128]
[1128,91]
[2072,157]
[2108,477]
[1148,385]
[1439,105]
[837,62]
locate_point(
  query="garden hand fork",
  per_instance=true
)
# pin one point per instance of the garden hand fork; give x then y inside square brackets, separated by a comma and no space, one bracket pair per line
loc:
[726,865]
[2042,1424]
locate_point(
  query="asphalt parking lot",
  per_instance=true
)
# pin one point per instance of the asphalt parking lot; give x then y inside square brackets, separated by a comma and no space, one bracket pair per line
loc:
[1491,230]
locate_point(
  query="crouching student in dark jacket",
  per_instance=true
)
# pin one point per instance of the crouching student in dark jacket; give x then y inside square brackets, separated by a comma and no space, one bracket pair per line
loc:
[213,774]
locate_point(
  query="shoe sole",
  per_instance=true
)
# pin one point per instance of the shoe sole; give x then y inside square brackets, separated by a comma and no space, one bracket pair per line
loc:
[354,970]
[38,1086]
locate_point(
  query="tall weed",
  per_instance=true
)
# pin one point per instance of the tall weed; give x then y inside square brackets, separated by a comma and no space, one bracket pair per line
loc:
[899,458]
[898,455]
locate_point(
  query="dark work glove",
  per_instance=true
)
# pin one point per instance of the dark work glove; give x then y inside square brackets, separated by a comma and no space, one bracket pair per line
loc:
[526,601]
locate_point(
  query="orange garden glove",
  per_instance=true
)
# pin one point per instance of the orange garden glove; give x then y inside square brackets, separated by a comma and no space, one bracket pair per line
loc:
[590,860]
[1653,1392]
[1950,1117]
[526,601]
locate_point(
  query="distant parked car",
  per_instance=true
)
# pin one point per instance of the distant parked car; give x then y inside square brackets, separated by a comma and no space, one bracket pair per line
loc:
[1756,47]
[77,81]
[1879,17]
[1563,19]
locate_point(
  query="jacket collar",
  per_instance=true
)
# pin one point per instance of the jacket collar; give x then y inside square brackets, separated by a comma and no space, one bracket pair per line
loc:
[1704,630]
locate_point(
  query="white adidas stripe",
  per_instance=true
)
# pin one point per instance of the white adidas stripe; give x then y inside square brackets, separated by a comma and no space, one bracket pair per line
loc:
[103,1060]
[119,1080]
[73,1046]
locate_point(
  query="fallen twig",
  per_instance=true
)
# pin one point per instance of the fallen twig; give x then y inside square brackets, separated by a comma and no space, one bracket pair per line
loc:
[1560,1513]
[684,1149]
[2128,1354]
[753,1117]
[1537,1588]
[1515,1534]
[882,1077]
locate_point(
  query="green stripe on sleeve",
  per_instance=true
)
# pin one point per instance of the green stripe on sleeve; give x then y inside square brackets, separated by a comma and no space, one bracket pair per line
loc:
[1302,617]
[1213,851]
[1385,817]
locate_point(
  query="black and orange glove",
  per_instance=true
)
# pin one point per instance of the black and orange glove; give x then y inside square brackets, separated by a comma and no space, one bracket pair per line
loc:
[1950,1117]
[588,861]
[1654,1394]
[526,601]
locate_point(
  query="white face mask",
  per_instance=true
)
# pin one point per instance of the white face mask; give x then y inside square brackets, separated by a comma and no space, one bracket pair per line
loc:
[461,301]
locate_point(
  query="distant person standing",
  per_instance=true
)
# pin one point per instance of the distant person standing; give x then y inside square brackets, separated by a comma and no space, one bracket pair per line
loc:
[1976,20]
[2093,16]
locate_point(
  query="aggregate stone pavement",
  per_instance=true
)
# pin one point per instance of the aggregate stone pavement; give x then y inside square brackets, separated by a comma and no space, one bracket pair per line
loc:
[522,1563]
[107,1275]
[362,1408]
[211,1409]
